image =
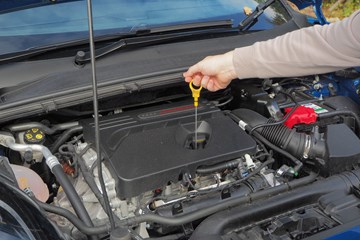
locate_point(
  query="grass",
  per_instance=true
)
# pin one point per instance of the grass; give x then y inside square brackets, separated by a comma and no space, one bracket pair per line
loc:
[342,11]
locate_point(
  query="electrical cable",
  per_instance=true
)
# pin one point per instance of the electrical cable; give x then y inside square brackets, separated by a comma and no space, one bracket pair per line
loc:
[269,161]
[87,175]
[64,137]
[287,116]
[301,84]
[187,178]
[297,162]
[294,79]
[217,167]
[225,102]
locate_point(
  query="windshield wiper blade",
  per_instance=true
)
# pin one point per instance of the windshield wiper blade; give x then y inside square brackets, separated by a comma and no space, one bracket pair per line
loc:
[144,37]
[193,26]
[8,57]
[172,32]
[82,57]
[253,17]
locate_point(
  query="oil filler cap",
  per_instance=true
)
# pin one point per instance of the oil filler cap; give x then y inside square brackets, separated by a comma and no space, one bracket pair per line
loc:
[34,136]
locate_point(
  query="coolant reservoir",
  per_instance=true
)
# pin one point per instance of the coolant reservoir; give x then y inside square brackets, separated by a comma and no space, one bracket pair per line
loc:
[29,180]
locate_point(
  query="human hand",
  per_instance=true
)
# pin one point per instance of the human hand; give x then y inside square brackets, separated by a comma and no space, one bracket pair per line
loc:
[213,72]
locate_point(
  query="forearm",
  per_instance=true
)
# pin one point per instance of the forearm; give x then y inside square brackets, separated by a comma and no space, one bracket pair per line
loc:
[313,50]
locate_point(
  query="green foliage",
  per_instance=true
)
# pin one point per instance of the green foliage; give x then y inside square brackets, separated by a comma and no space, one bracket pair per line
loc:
[343,10]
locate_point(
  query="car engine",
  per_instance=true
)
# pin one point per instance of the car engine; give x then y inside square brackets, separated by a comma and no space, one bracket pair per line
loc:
[271,159]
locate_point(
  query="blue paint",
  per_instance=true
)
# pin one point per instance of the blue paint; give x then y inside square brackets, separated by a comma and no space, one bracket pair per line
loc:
[349,88]
[351,234]
[317,5]
[342,87]
[312,20]
[301,4]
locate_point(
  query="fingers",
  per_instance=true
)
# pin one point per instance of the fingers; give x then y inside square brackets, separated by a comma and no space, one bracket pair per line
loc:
[197,78]
[195,74]
[204,81]
[188,79]
[211,86]
[192,70]
[189,75]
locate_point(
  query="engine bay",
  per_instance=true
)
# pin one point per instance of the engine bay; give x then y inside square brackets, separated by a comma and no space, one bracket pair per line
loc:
[273,159]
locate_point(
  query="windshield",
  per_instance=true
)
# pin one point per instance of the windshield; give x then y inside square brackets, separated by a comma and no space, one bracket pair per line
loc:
[67,20]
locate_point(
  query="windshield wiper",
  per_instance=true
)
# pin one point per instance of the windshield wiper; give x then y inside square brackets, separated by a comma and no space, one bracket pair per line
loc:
[145,37]
[249,21]
[136,37]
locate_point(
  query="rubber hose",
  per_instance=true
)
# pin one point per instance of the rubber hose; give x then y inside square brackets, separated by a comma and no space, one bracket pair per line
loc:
[297,162]
[72,195]
[186,218]
[79,224]
[279,135]
[251,118]
[285,138]
[218,167]
[89,179]
[64,137]
[213,227]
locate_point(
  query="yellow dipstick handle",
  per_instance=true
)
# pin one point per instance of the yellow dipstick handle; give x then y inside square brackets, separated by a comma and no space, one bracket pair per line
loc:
[195,93]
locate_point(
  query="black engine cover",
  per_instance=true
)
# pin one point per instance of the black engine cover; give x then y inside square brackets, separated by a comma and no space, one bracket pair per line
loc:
[148,148]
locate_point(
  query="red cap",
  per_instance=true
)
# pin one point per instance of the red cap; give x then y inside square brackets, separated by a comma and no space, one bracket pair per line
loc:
[302,114]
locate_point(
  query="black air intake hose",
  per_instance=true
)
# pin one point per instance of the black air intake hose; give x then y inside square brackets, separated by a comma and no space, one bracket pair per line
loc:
[300,145]
[284,137]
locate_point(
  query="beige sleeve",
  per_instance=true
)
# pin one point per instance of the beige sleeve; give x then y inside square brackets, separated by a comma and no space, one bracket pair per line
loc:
[311,50]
